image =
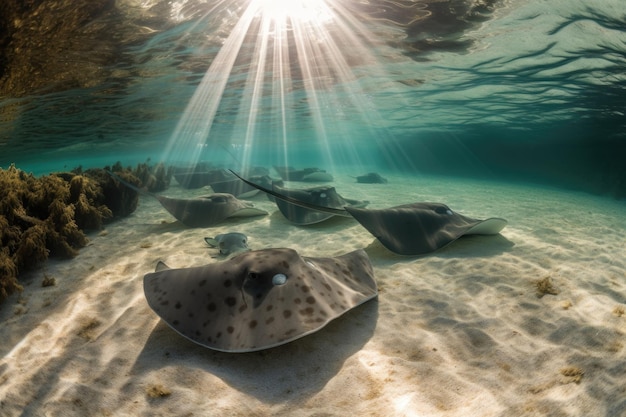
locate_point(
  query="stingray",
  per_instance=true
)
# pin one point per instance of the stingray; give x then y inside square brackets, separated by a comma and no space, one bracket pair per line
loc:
[259,299]
[306,174]
[409,229]
[201,211]
[200,178]
[239,188]
[325,196]
[371,178]
[229,243]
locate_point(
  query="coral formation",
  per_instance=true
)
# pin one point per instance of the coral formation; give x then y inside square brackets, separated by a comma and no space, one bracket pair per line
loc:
[47,216]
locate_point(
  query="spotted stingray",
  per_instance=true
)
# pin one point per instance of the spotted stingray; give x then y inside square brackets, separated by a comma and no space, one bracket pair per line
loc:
[259,299]
[204,211]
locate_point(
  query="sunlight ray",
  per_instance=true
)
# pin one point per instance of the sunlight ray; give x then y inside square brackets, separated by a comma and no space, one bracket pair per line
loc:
[293,58]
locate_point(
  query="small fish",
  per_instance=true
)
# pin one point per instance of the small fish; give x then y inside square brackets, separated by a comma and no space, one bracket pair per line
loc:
[229,243]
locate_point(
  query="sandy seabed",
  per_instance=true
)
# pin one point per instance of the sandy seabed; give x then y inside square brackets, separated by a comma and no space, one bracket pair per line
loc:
[460,332]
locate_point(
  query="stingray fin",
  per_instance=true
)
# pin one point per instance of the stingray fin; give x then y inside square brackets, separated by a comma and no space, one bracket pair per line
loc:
[128,184]
[161,266]
[291,200]
[211,242]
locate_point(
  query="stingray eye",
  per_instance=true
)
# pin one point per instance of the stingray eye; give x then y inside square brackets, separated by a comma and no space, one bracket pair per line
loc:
[279,279]
[443,210]
[219,199]
[253,276]
[449,212]
[244,241]
[323,195]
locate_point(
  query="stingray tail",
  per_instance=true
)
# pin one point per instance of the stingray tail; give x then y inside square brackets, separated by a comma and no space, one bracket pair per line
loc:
[291,200]
[128,184]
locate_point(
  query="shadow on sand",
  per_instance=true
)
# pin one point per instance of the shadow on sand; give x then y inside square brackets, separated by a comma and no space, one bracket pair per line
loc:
[298,369]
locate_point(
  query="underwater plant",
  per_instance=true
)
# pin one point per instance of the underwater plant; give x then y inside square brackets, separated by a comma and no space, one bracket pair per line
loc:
[48,216]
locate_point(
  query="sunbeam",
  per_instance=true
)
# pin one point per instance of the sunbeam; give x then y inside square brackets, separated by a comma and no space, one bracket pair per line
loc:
[310,11]
[284,60]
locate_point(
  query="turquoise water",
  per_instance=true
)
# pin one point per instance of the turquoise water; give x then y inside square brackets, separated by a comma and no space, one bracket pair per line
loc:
[520,90]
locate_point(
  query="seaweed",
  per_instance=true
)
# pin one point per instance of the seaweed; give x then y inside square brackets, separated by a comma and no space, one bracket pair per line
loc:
[544,286]
[153,179]
[158,391]
[48,216]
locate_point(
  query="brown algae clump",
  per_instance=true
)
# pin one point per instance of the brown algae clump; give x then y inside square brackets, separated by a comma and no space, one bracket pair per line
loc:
[47,216]
[544,286]
[48,281]
[87,328]
[572,374]
[158,391]
[619,311]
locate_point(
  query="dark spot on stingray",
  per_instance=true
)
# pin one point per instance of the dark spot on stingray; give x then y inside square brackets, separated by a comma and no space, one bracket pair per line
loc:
[198,333]
[211,307]
[269,307]
[190,315]
[165,303]
[175,322]
[269,320]
[206,323]
[253,324]
[228,283]
[340,293]
[209,339]
[287,313]
[323,313]
[310,300]
[192,292]
[305,288]
[271,336]
[242,308]
[319,320]
[201,283]
[307,311]
[289,332]
[345,272]
[230,329]
[285,264]
[297,300]
[230,301]
[178,305]
[218,335]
